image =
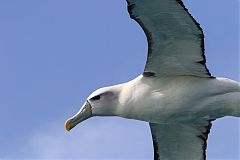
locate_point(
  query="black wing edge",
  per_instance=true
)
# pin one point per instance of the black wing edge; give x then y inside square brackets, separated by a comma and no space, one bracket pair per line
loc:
[146,31]
[203,62]
[203,136]
[149,34]
[155,148]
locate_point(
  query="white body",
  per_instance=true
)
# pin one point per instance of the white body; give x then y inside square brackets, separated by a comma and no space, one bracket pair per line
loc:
[179,99]
[176,93]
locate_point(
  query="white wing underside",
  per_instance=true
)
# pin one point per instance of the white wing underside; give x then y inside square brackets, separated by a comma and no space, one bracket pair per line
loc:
[175,39]
[180,141]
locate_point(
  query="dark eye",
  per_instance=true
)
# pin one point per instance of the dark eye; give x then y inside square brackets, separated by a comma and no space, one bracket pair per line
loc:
[95,98]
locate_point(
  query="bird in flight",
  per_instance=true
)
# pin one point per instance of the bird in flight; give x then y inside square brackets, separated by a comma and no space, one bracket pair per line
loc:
[176,93]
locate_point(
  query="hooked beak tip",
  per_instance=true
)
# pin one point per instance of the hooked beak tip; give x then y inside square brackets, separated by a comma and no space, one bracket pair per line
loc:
[84,113]
[67,125]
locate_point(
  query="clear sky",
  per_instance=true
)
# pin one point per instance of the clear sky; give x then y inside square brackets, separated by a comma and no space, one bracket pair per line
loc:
[54,53]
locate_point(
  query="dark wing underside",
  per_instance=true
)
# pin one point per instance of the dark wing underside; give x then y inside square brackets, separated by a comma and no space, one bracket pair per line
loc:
[175,39]
[180,141]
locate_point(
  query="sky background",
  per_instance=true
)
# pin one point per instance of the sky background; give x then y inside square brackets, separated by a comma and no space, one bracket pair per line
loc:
[54,53]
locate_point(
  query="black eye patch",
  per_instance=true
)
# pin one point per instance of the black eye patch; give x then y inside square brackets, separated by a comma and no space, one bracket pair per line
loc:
[95,97]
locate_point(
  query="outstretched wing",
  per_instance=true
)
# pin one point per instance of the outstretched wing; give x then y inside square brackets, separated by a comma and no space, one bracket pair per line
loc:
[180,141]
[175,39]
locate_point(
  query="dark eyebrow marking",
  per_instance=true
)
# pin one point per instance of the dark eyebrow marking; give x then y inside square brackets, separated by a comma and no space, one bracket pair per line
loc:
[95,97]
[148,74]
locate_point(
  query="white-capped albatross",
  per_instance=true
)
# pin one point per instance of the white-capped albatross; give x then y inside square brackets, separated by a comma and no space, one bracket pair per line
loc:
[176,93]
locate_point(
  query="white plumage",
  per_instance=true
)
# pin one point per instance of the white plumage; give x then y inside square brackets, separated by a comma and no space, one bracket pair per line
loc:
[176,93]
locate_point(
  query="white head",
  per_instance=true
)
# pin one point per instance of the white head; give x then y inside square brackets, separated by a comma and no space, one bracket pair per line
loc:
[102,102]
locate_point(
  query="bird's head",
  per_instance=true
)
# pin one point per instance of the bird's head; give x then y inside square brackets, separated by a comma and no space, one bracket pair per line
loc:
[102,102]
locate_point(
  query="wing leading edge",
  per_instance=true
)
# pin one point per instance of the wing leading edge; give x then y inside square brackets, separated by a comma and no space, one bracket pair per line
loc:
[175,39]
[180,141]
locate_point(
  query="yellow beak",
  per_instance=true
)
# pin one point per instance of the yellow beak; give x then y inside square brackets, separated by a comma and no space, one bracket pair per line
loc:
[84,113]
[67,125]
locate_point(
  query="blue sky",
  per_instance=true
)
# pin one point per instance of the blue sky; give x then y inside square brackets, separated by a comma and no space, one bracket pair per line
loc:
[54,53]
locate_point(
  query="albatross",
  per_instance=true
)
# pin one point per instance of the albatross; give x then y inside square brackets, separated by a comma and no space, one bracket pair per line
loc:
[176,94]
